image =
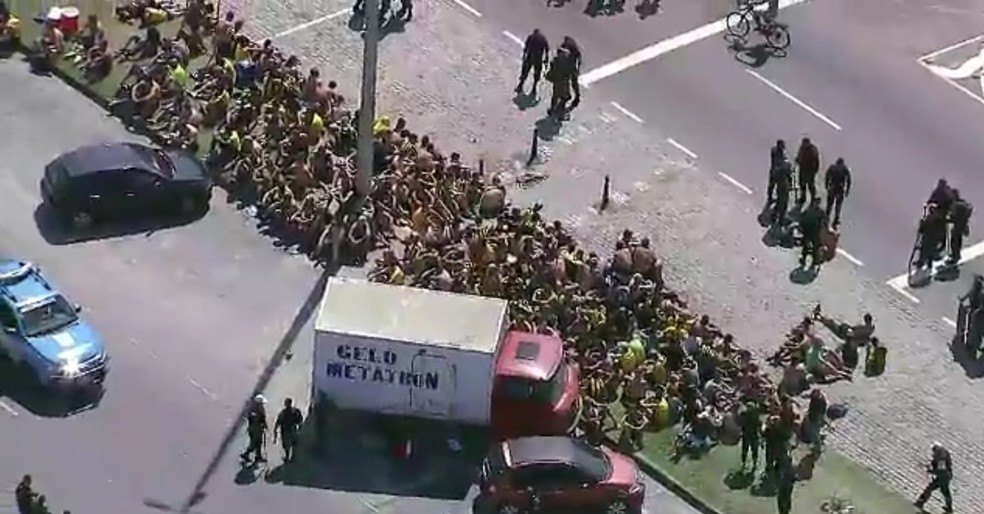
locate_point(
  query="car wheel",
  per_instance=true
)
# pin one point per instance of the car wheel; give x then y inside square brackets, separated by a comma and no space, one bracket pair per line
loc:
[508,509]
[617,507]
[81,219]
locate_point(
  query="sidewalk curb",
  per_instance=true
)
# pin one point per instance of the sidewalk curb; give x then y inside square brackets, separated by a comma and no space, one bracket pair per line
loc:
[652,470]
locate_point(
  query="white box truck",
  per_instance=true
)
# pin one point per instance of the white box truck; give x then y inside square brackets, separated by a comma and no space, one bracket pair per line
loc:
[418,353]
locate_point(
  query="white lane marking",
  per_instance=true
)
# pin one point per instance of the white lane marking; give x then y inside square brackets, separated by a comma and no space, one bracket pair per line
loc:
[854,260]
[803,105]
[513,37]
[8,408]
[951,47]
[629,114]
[203,389]
[949,321]
[680,147]
[369,505]
[312,23]
[468,8]
[901,282]
[662,47]
[733,181]
[900,288]
[959,87]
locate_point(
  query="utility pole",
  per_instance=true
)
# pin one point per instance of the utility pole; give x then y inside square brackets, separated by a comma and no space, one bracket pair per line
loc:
[367,109]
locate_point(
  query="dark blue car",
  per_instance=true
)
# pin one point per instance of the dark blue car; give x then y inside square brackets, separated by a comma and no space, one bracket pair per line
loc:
[125,181]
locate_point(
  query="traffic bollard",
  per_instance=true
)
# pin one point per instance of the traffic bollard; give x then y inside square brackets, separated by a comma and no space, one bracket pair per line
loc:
[606,190]
[534,146]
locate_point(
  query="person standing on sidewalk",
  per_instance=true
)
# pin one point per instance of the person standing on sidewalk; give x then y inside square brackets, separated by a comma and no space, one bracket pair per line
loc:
[25,495]
[941,467]
[256,428]
[785,483]
[837,181]
[536,52]
[807,164]
[288,426]
[559,75]
[575,51]
[777,157]
[750,419]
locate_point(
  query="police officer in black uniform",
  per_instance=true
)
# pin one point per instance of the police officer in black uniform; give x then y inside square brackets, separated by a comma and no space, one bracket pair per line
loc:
[960,212]
[783,179]
[536,52]
[811,224]
[838,184]
[941,467]
[288,426]
[25,496]
[575,52]
[777,156]
[807,164]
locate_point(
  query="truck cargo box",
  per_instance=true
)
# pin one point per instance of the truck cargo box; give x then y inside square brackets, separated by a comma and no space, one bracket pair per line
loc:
[409,352]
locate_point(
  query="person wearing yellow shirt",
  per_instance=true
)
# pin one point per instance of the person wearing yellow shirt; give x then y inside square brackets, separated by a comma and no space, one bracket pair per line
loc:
[317,125]
[180,77]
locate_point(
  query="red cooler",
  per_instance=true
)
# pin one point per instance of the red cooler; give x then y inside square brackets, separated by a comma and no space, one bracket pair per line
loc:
[69,23]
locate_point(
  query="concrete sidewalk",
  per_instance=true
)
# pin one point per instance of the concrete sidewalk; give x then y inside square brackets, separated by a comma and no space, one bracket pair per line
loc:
[451,75]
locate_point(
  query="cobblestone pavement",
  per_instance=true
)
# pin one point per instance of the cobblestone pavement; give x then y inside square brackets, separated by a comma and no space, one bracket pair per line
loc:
[452,75]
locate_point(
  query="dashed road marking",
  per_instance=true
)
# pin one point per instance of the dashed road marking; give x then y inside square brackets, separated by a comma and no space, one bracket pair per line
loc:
[203,389]
[513,37]
[854,260]
[662,47]
[949,321]
[13,412]
[629,114]
[682,148]
[733,181]
[803,105]
[605,117]
[312,23]
[468,8]
[369,505]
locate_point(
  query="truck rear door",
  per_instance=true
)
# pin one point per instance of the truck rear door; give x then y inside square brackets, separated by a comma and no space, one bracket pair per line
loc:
[434,392]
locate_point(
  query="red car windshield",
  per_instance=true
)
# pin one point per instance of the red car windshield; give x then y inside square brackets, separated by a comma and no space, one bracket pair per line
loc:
[546,392]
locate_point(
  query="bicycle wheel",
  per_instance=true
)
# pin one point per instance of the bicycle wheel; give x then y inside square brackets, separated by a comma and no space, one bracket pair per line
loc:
[778,37]
[737,23]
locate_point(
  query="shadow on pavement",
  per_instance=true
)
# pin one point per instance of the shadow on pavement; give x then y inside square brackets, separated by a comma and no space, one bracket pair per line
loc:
[304,313]
[803,276]
[647,8]
[17,386]
[57,232]
[360,453]
[753,56]
[972,365]
[524,101]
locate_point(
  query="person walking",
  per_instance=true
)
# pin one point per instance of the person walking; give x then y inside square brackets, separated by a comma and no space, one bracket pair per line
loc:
[811,225]
[256,427]
[941,467]
[536,52]
[288,426]
[559,75]
[837,181]
[807,166]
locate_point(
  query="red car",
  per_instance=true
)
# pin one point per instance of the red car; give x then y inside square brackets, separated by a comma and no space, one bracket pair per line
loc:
[559,474]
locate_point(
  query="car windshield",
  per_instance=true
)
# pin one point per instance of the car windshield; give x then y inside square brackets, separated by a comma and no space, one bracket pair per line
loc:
[47,316]
[591,461]
[158,161]
[539,391]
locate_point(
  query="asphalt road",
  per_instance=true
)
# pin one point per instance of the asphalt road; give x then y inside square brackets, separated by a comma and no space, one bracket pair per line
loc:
[851,80]
[192,316]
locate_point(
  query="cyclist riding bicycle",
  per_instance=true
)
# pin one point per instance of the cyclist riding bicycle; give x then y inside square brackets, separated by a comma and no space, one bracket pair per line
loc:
[767,17]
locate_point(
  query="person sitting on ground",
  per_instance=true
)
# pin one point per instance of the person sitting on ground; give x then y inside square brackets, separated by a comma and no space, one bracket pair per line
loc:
[9,32]
[139,48]
[823,364]
[92,32]
[98,62]
[50,45]
[875,358]
[859,333]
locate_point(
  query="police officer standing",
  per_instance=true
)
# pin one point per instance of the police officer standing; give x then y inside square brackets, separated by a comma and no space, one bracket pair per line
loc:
[785,483]
[536,51]
[288,426]
[941,467]
[25,496]
[960,212]
[777,156]
[807,164]
[811,224]
[838,184]
[256,427]
[783,178]
[575,52]
[560,74]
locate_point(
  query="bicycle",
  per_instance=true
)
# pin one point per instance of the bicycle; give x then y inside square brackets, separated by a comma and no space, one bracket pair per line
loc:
[739,24]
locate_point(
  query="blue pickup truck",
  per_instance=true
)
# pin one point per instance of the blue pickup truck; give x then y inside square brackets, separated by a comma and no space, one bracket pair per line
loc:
[43,334]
